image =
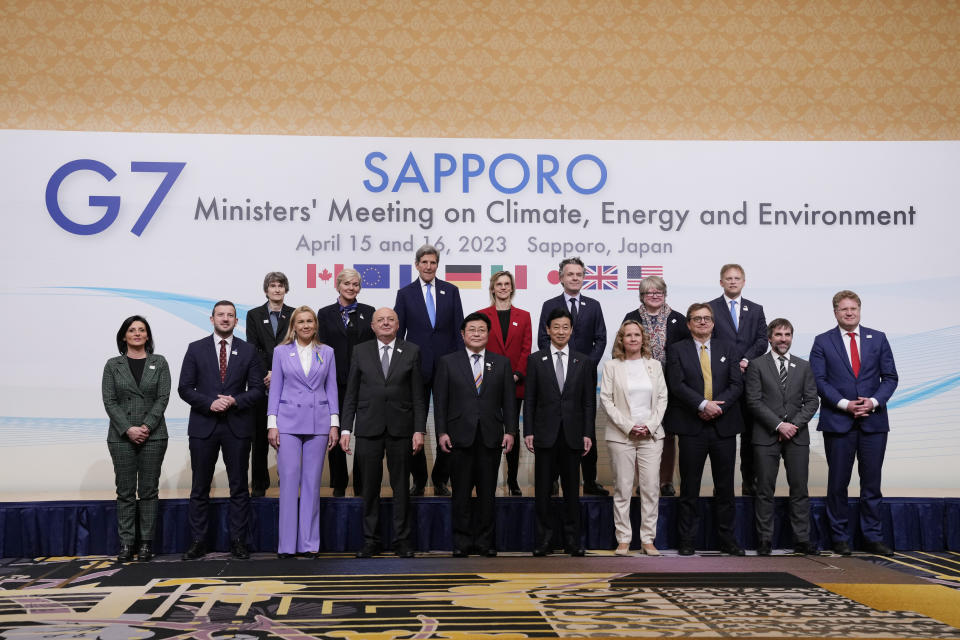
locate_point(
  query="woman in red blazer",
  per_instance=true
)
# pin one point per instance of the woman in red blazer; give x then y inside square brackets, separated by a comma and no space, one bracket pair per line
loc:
[511,336]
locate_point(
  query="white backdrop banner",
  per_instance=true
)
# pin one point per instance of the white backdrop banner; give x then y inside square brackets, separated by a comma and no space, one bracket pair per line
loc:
[104,225]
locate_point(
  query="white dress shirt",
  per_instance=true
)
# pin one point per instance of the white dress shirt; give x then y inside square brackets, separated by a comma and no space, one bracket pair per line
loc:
[216,345]
[842,404]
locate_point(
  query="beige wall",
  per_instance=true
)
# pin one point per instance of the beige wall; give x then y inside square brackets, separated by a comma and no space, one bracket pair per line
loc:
[741,69]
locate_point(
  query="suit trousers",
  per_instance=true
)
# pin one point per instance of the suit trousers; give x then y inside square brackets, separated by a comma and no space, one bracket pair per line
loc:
[137,472]
[339,478]
[203,460]
[748,474]
[259,464]
[418,461]
[588,464]
[841,449]
[300,466]
[636,463]
[513,456]
[694,450]
[668,460]
[796,460]
[370,452]
[549,462]
[474,466]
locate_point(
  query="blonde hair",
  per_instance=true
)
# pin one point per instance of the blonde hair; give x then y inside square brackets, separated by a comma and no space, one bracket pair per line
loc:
[348,273]
[493,281]
[618,352]
[291,330]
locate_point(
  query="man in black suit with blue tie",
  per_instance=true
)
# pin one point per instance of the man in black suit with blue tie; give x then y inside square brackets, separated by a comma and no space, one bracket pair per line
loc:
[741,323]
[221,379]
[589,338]
[430,314]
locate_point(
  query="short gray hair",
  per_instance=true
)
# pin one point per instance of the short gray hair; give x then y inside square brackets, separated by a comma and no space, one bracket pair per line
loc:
[276,276]
[426,250]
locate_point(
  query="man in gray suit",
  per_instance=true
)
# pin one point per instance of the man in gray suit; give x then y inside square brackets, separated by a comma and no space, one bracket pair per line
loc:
[781,394]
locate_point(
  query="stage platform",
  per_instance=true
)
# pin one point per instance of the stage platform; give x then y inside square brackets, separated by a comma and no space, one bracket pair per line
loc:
[88,527]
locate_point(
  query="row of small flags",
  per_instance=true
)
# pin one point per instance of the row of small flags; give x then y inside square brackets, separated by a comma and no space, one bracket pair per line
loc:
[470,276]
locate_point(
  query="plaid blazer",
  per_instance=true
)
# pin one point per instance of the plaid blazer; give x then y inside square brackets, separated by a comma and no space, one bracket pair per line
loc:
[129,404]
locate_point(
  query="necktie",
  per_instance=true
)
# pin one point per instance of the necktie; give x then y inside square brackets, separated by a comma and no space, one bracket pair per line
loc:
[733,315]
[854,354]
[345,312]
[274,321]
[783,372]
[573,310]
[431,308]
[477,372]
[560,376]
[223,361]
[707,373]
[385,360]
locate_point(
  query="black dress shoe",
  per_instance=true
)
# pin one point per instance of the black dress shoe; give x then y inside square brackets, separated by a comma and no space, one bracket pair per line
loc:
[238,549]
[514,489]
[416,490]
[460,553]
[404,551]
[841,548]
[764,548]
[877,547]
[197,550]
[285,556]
[369,550]
[258,492]
[731,549]
[540,552]
[145,553]
[594,489]
[575,552]
[685,549]
[339,492]
[805,549]
[126,553]
[666,490]
[441,489]
[490,553]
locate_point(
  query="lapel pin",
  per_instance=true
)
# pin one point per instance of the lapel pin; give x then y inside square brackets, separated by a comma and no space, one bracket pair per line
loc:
[442,292]
[575,361]
[361,316]
[515,324]
[266,322]
[233,353]
[489,365]
[674,321]
[153,366]
[292,354]
[793,364]
[399,350]
[544,358]
[869,335]
[723,358]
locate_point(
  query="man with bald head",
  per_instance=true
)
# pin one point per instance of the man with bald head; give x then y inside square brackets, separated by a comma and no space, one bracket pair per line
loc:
[385,410]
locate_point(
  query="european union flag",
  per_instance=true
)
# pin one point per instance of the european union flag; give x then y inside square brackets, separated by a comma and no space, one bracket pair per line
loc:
[374,276]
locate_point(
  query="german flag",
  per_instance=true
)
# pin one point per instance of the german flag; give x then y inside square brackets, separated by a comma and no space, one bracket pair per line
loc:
[465,276]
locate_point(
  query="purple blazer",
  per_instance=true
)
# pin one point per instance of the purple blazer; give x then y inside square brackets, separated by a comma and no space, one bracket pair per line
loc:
[302,403]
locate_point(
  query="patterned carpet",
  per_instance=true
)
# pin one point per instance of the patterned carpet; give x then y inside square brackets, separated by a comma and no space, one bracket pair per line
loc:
[512,596]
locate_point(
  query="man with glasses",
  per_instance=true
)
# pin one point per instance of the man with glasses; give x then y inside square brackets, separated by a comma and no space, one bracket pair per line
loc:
[703,376]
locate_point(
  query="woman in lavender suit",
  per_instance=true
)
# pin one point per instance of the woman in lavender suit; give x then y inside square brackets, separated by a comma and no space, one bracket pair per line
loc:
[302,422]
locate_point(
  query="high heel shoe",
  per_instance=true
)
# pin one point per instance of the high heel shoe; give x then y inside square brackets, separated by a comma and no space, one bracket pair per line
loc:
[623,549]
[649,549]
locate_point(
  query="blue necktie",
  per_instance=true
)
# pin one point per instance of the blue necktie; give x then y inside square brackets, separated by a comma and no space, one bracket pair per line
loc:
[274,321]
[733,315]
[431,309]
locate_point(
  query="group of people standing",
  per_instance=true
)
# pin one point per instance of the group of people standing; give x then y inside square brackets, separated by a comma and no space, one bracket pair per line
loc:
[354,379]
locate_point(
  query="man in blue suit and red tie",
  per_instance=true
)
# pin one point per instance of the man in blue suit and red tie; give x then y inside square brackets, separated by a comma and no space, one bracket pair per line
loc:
[856,376]
[430,315]
[222,381]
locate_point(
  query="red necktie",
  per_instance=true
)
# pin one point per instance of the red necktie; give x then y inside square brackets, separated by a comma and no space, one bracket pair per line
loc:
[223,361]
[854,354]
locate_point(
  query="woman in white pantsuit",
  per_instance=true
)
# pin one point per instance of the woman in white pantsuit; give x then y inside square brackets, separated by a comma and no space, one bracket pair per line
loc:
[633,392]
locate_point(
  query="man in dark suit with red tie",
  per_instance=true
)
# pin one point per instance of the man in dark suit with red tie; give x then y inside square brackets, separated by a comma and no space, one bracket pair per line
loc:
[856,376]
[266,328]
[430,315]
[222,381]
[474,411]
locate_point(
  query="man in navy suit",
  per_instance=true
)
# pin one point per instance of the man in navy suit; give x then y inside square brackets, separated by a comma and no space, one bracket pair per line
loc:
[222,381]
[856,376]
[430,316]
[741,323]
[589,338]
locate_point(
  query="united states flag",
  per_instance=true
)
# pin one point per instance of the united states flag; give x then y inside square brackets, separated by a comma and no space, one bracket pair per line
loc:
[600,278]
[635,273]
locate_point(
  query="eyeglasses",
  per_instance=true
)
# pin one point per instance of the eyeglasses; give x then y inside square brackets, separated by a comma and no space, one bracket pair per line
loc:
[701,319]
[653,294]
[474,330]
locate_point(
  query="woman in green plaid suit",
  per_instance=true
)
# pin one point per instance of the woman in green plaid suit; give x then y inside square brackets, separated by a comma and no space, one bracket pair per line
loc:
[136,388]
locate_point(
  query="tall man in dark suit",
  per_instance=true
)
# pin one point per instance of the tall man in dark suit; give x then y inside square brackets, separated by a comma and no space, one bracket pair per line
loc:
[559,411]
[222,381]
[704,380]
[856,376]
[474,409]
[343,325]
[430,315]
[589,337]
[782,397]
[266,328]
[385,400]
[741,323]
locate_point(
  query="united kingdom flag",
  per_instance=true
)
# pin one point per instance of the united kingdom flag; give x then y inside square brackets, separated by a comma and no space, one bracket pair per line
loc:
[600,278]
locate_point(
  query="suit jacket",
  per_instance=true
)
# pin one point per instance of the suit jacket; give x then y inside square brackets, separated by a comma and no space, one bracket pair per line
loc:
[379,405]
[436,341]
[547,409]
[589,331]
[518,342]
[676,325]
[342,339]
[129,404]
[685,382]
[615,399]
[835,380]
[260,332]
[459,409]
[200,385]
[751,340]
[302,403]
[770,405]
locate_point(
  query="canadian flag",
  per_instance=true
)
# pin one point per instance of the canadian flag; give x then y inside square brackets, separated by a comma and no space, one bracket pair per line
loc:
[313,276]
